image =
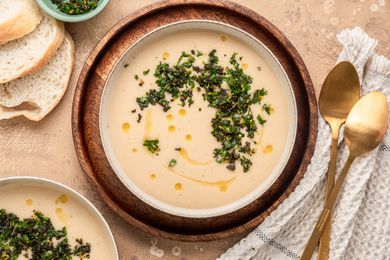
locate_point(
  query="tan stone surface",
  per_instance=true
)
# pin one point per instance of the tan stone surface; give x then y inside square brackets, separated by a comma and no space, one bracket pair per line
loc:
[45,148]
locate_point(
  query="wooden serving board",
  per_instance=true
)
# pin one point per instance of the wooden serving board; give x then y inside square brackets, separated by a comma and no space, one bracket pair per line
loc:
[88,144]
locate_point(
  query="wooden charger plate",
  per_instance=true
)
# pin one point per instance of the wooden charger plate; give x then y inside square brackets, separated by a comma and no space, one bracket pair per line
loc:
[86,133]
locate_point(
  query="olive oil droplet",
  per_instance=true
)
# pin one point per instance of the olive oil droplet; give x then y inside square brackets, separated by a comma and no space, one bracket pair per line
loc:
[134,150]
[126,127]
[29,202]
[61,215]
[178,186]
[63,198]
[223,188]
[182,112]
[224,38]
[268,149]
[244,66]
[169,117]
[171,128]
[188,137]
[153,176]
[165,55]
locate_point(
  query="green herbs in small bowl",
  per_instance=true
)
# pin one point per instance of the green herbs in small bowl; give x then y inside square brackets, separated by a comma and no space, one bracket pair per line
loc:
[72,10]
[75,7]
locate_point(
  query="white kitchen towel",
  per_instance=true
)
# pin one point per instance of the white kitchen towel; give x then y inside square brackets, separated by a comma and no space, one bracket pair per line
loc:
[361,218]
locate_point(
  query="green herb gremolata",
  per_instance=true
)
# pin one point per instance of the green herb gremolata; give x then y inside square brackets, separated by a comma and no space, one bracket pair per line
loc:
[36,238]
[75,7]
[152,145]
[172,163]
[226,89]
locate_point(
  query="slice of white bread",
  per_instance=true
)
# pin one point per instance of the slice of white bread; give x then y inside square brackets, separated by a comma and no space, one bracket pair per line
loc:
[17,19]
[30,53]
[35,95]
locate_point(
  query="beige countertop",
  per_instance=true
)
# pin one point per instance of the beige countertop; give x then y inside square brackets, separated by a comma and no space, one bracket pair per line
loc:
[45,149]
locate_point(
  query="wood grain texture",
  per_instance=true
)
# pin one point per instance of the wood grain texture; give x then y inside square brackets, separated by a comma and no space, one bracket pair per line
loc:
[85,120]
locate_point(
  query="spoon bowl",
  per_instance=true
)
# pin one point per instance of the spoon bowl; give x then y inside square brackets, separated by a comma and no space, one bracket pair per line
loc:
[366,124]
[340,92]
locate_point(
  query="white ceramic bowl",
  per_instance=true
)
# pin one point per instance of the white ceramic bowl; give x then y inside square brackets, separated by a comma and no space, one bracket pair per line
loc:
[52,185]
[265,53]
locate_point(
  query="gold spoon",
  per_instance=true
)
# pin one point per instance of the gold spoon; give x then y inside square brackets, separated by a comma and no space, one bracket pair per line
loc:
[340,91]
[364,130]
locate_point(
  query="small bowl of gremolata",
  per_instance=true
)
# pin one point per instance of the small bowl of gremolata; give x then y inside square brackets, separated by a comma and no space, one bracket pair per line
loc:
[72,11]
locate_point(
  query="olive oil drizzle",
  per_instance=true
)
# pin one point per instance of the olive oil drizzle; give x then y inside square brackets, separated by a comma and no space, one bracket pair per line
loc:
[203,182]
[148,124]
[184,154]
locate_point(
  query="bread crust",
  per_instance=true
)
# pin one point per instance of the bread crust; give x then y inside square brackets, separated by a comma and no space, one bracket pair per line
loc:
[40,116]
[38,113]
[26,21]
[50,52]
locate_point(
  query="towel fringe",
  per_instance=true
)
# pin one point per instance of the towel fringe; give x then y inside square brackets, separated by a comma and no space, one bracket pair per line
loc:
[379,64]
[357,44]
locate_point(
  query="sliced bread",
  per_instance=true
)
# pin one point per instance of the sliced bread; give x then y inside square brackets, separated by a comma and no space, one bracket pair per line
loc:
[30,53]
[35,95]
[18,18]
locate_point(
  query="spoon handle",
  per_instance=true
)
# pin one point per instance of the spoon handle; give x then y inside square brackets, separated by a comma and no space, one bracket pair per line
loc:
[324,246]
[315,236]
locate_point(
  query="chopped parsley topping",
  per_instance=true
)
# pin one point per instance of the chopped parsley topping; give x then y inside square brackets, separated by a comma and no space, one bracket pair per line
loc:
[152,145]
[146,72]
[226,89]
[139,118]
[74,7]
[82,250]
[141,83]
[172,163]
[176,81]
[267,109]
[36,238]
[261,120]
